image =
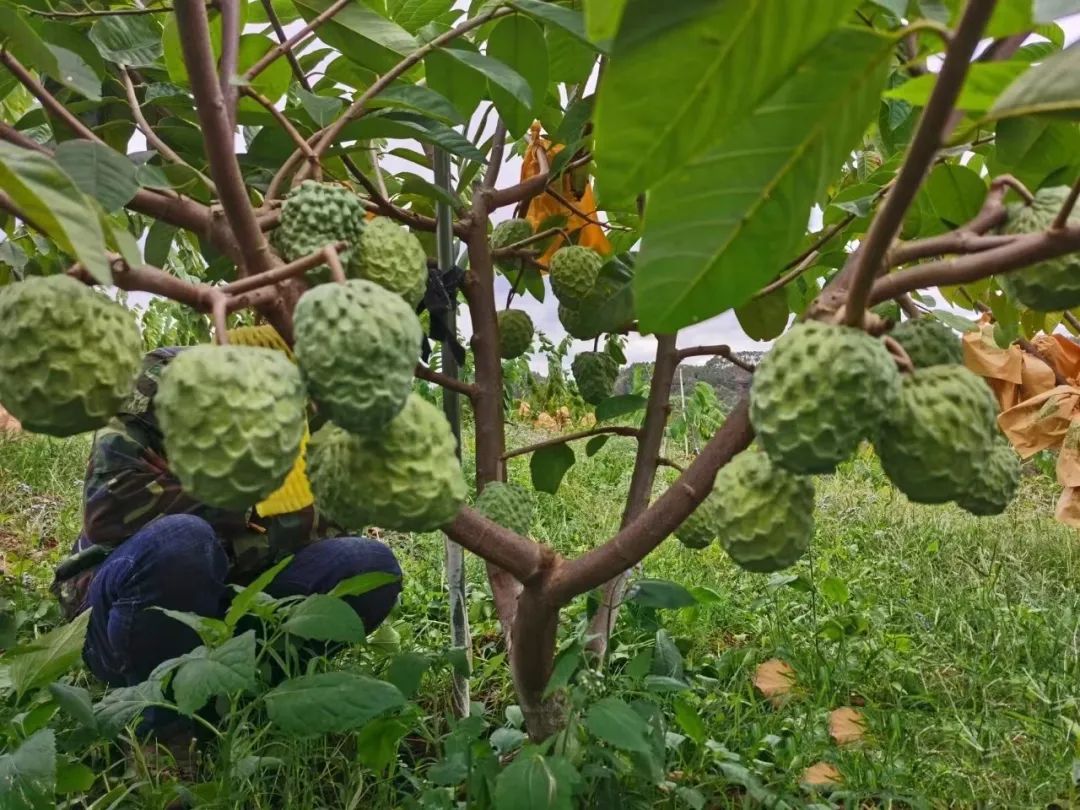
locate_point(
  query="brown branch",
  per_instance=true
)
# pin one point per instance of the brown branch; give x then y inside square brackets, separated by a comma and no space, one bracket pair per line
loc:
[867,261]
[1062,219]
[278,274]
[616,430]
[495,157]
[907,306]
[520,191]
[423,372]
[229,12]
[283,38]
[52,106]
[507,549]
[292,42]
[1027,346]
[1072,320]
[716,351]
[788,277]
[284,122]
[968,238]
[218,136]
[667,462]
[634,541]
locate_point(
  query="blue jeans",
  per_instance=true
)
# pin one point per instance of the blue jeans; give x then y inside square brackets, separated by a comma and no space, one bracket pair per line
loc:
[177,562]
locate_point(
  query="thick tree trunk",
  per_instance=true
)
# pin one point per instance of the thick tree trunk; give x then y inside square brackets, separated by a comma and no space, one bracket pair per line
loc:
[535,630]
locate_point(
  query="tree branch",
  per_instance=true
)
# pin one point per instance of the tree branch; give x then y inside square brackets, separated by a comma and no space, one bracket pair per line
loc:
[788,277]
[284,272]
[1062,219]
[229,11]
[511,552]
[867,260]
[616,430]
[716,351]
[286,47]
[444,380]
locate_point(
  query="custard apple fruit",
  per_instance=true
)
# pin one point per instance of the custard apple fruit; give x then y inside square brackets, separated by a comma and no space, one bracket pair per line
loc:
[573,271]
[1055,283]
[700,527]
[391,256]
[574,323]
[68,355]
[933,441]
[509,233]
[764,515]
[357,345]
[818,393]
[995,483]
[595,374]
[314,215]
[232,418]
[515,333]
[929,343]
[405,477]
[508,505]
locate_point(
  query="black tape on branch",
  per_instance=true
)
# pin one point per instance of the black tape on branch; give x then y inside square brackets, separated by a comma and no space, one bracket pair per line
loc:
[441,294]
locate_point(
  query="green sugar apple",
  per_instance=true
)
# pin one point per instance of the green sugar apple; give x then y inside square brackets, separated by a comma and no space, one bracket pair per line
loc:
[316,214]
[700,527]
[405,477]
[357,345]
[995,482]
[818,393]
[573,271]
[929,342]
[68,355]
[933,442]
[393,257]
[508,505]
[595,374]
[232,418]
[763,515]
[507,233]
[515,333]
[574,323]
[1053,284]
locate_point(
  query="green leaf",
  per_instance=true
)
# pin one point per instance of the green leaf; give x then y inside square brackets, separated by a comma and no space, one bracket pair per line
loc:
[752,192]
[764,318]
[670,89]
[1037,151]
[56,652]
[131,40]
[118,707]
[499,75]
[519,43]
[330,702]
[325,618]
[159,240]
[455,80]
[272,82]
[566,664]
[65,66]
[28,774]
[173,53]
[614,722]
[689,720]
[570,61]
[835,590]
[660,593]
[614,407]
[535,782]
[593,445]
[951,196]
[409,126]
[99,171]
[243,601]
[667,660]
[73,777]
[361,34]
[220,671]
[75,701]
[954,321]
[363,583]
[1052,86]
[322,109]
[406,672]
[412,15]
[602,18]
[548,465]
[420,99]
[377,742]
[569,20]
[985,82]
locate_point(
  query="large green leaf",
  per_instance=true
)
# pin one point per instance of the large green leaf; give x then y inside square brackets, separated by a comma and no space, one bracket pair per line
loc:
[54,654]
[568,19]
[452,78]
[951,196]
[412,15]
[219,671]
[519,43]
[985,82]
[330,702]
[602,18]
[28,774]
[1038,151]
[61,64]
[133,40]
[361,34]
[99,171]
[548,465]
[764,318]
[420,99]
[118,707]
[535,782]
[325,618]
[1052,86]
[570,60]
[408,125]
[670,90]
[613,721]
[499,75]
[721,227]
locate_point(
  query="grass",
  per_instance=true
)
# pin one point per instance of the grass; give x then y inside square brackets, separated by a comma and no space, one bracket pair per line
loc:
[956,637]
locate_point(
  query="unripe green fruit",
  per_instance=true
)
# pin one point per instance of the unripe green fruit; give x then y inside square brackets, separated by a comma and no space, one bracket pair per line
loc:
[764,516]
[404,477]
[573,322]
[232,418]
[509,233]
[392,257]
[1053,284]
[819,392]
[357,345]
[315,215]
[508,505]
[929,343]
[515,333]
[68,355]
[595,374]
[938,435]
[699,529]
[573,271]
[995,483]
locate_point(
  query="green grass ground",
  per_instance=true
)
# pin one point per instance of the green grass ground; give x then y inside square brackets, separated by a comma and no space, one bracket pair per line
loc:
[956,637]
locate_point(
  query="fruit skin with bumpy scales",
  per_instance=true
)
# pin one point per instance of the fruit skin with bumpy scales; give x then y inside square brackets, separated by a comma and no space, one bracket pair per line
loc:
[933,443]
[357,345]
[763,515]
[509,505]
[1053,284]
[928,342]
[573,271]
[507,233]
[595,374]
[232,418]
[819,392]
[392,257]
[317,214]
[405,477]
[68,355]
[699,529]
[995,484]
[515,333]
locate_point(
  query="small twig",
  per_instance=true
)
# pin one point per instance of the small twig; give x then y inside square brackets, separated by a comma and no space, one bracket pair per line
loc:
[899,354]
[423,372]
[514,285]
[907,306]
[337,272]
[716,351]
[1067,207]
[1027,346]
[561,199]
[283,121]
[511,250]
[284,272]
[495,158]
[667,462]
[292,42]
[47,99]
[790,276]
[616,430]
[1072,320]
[218,308]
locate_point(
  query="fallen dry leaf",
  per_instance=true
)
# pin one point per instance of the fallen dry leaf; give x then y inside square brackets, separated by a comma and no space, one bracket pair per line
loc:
[846,725]
[774,679]
[821,774]
[8,423]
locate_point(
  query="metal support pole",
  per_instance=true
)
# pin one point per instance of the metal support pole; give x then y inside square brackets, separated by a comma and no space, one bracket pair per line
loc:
[455,555]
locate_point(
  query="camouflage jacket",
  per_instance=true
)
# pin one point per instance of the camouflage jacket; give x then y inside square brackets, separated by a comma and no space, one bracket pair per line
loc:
[128,484]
